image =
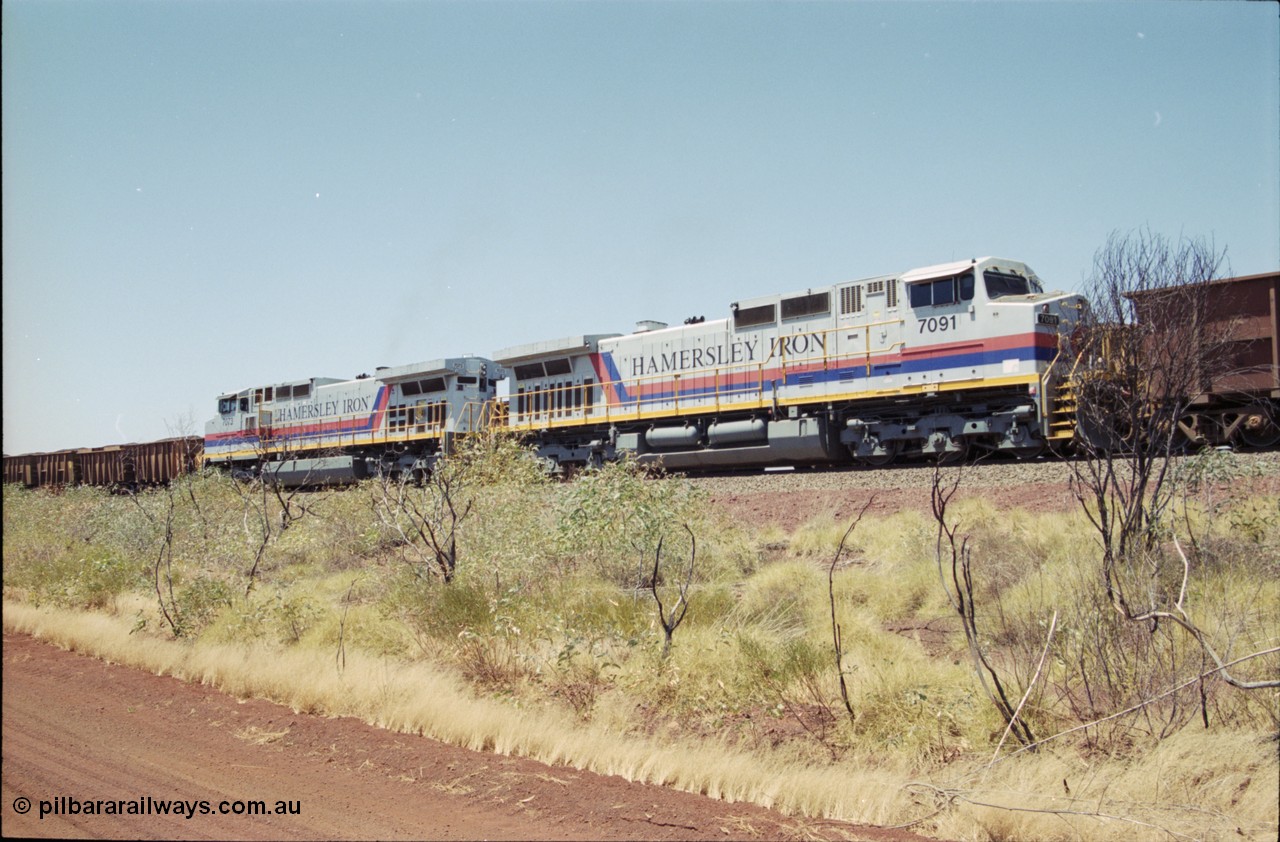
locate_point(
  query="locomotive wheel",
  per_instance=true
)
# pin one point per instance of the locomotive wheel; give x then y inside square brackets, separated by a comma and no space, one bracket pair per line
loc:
[879,460]
[1258,428]
[1031,451]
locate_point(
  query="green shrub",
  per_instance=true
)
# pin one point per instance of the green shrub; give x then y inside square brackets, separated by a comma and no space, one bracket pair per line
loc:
[611,519]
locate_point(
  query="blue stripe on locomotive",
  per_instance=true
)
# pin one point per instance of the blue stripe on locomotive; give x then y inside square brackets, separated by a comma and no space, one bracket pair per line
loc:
[846,374]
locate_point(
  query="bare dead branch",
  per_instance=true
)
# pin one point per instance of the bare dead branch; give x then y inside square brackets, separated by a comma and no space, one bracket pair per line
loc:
[1136,707]
[836,638]
[1181,618]
[959,593]
[426,513]
[341,656]
[672,621]
[1044,654]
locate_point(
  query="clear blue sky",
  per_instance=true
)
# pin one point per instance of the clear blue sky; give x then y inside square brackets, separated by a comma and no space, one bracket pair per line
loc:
[201,197]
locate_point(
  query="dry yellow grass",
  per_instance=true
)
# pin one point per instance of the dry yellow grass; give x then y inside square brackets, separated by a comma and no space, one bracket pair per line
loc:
[1194,785]
[414,698]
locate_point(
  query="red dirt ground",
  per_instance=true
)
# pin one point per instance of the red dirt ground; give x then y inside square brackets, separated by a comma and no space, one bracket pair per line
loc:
[77,727]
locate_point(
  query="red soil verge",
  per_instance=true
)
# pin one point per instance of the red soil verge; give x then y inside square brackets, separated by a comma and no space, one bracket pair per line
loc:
[80,728]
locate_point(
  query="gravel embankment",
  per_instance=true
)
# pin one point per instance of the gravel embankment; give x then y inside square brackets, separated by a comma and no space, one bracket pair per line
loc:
[788,499]
[995,474]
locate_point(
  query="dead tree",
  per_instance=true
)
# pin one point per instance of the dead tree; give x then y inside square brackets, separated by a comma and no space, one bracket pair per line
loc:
[270,507]
[952,551]
[162,570]
[426,515]
[1149,350]
[670,622]
[836,637]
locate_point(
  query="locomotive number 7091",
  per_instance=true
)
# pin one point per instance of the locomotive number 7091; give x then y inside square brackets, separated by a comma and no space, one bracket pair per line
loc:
[938,324]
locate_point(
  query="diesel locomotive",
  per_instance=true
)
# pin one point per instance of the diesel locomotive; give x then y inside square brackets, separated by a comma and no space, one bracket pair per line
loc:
[935,362]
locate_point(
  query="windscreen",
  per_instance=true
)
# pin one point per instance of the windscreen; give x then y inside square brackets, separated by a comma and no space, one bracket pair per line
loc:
[1000,284]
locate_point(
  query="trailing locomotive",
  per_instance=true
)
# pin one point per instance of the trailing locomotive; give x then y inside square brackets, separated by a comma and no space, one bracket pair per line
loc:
[327,430]
[936,362]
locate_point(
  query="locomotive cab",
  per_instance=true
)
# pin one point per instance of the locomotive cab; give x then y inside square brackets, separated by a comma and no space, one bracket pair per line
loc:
[985,334]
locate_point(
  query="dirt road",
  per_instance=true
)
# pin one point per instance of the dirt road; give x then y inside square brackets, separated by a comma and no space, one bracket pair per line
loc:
[121,741]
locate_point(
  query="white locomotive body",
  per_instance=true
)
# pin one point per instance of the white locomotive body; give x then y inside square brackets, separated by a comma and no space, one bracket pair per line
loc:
[934,362]
[931,362]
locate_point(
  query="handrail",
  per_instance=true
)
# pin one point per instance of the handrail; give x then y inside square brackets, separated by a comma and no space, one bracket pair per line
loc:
[716,386]
[717,382]
[1044,380]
